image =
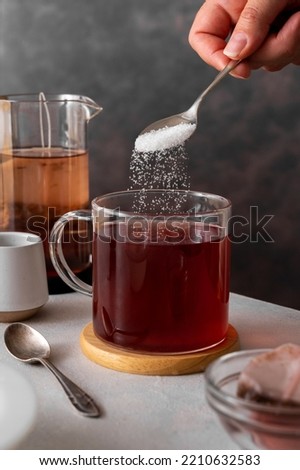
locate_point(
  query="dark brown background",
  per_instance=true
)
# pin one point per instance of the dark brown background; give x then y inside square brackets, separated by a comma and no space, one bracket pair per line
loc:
[133,58]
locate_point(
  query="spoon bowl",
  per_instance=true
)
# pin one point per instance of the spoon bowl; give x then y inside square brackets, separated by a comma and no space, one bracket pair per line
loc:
[25,343]
[190,116]
[28,345]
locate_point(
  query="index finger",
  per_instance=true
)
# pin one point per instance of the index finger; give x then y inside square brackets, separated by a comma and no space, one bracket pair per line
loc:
[208,33]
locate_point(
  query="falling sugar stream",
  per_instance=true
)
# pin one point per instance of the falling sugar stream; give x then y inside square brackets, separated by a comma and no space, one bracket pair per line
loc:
[160,161]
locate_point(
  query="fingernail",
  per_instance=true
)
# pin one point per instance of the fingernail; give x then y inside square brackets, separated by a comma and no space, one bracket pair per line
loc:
[235,45]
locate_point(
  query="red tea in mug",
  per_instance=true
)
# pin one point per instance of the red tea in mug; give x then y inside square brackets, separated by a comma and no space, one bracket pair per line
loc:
[164,290]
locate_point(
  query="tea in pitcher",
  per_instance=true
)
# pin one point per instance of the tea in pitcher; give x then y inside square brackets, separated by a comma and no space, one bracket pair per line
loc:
[38,186]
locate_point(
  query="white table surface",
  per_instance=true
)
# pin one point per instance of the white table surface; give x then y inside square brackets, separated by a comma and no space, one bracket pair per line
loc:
[139,412]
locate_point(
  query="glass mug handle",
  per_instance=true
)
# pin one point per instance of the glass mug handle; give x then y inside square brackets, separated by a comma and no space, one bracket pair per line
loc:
[56,251]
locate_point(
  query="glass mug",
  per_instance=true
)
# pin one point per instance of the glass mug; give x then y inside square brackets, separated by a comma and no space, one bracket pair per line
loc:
[161,268]
[44,167]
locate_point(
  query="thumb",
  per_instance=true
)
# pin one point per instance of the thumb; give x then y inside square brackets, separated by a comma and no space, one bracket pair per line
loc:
[252,27]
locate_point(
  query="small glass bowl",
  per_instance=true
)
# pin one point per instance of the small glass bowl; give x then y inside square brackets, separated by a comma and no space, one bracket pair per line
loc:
[251,425]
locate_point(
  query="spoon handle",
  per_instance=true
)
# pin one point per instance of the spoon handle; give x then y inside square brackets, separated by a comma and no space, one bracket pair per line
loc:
[79,399]
[226,70]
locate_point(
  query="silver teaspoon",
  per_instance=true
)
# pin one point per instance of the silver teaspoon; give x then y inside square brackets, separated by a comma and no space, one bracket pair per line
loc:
[190,115]
[28,345]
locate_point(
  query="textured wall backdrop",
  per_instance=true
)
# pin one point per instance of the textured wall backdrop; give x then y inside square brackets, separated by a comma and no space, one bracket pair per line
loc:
[133,58]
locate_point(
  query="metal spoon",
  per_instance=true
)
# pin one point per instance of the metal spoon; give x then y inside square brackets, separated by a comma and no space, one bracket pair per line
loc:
[28,345]
[190,116]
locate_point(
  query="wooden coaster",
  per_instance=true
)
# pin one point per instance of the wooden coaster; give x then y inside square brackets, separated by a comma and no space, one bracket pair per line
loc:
[122,360]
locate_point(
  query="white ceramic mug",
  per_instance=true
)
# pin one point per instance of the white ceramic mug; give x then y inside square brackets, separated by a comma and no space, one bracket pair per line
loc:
[23,278]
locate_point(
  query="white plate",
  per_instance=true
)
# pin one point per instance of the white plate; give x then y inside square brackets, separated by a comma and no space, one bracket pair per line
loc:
[17,407]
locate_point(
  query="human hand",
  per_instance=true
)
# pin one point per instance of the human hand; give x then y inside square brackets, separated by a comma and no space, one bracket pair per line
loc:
[264,33]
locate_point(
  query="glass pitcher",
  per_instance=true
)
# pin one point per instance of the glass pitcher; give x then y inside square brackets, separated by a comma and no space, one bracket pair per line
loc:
[44,167]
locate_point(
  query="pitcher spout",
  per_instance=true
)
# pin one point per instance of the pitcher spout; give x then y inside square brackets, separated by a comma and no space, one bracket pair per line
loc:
[92,108]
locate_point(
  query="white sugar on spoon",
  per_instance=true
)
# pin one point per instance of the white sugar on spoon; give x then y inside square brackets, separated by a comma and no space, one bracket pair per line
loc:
[164,138]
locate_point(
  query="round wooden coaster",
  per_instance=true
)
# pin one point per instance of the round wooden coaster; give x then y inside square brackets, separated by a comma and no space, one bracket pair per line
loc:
[132,362]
